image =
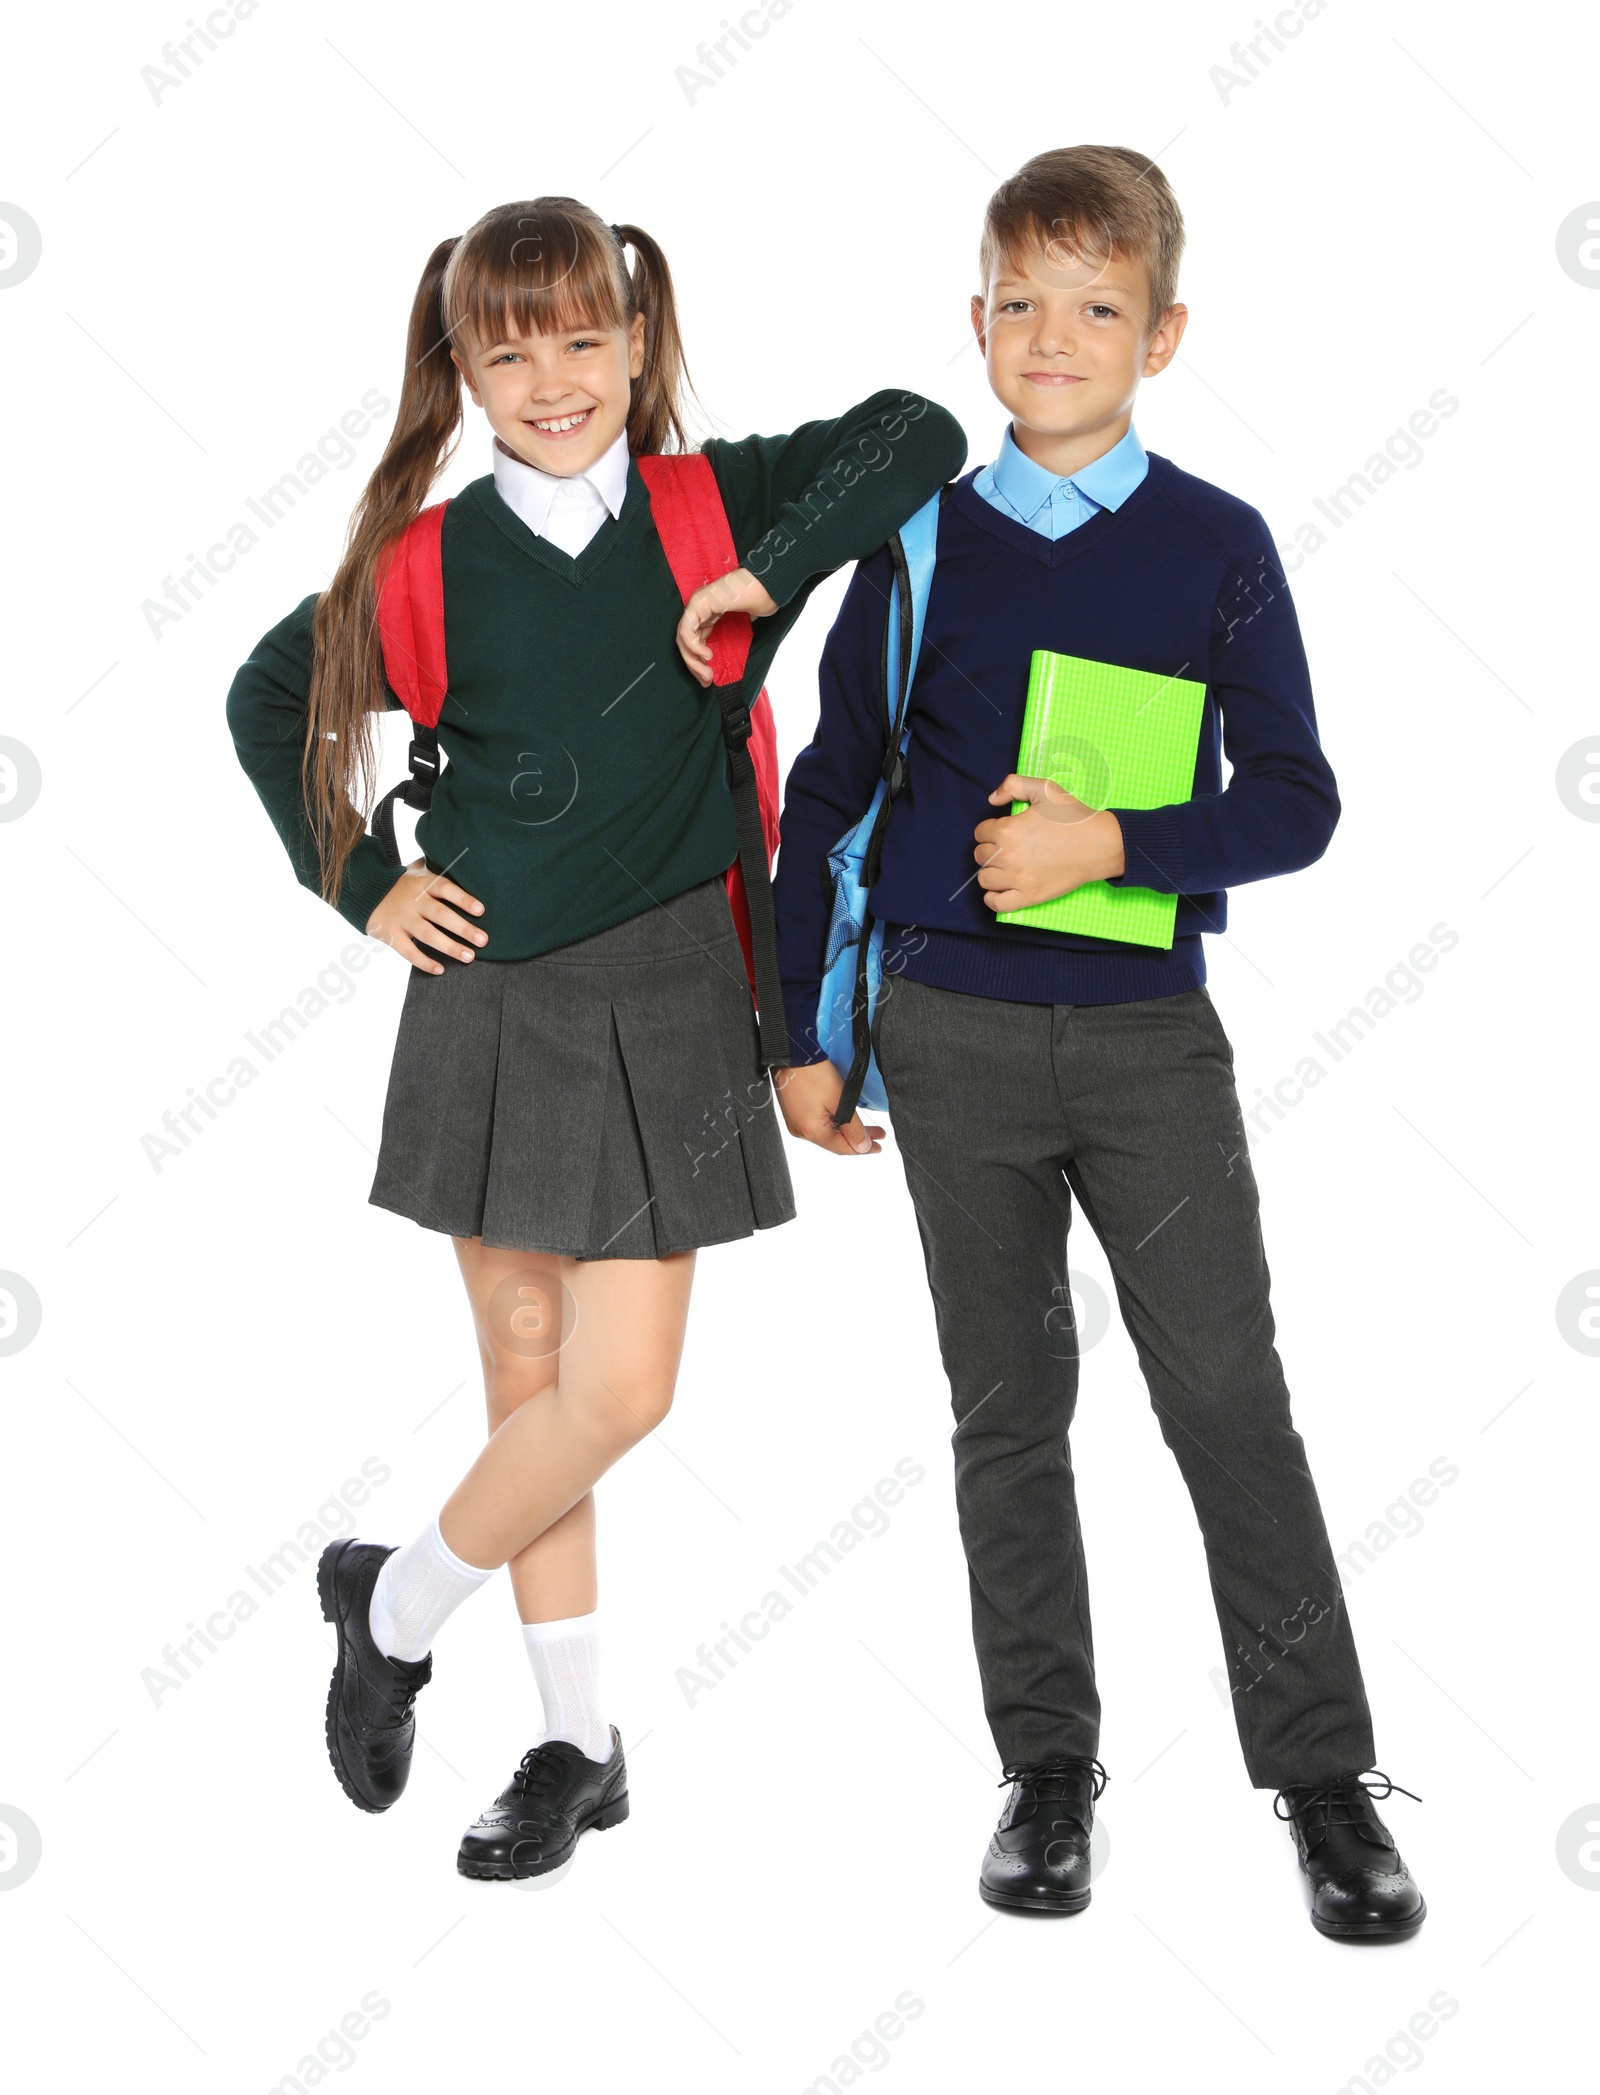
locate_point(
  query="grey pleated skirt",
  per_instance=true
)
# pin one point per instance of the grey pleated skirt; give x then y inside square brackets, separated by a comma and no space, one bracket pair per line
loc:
[605,1100]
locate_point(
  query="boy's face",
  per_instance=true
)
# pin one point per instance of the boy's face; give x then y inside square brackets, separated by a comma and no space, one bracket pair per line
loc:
[1066,340]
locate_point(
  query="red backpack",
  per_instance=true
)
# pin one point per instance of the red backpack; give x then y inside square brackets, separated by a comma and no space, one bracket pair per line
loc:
[686,506]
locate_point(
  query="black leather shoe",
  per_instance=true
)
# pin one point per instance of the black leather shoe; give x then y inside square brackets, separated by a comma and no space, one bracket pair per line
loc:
[1038,1861]
[1360,1889]
[556,1794]
[370,1726]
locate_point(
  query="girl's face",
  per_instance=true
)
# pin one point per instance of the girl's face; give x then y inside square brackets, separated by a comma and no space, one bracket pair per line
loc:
[558,401]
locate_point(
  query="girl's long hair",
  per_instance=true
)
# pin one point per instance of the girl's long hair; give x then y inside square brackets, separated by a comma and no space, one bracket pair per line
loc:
[549,266]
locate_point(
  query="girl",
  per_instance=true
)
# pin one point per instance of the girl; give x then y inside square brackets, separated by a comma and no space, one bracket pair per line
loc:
[578,1009]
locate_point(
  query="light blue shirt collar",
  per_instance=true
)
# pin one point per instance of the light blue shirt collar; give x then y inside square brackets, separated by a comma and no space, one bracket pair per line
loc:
[1106,481]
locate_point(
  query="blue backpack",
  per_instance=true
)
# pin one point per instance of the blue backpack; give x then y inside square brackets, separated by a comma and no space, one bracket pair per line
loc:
[853,967]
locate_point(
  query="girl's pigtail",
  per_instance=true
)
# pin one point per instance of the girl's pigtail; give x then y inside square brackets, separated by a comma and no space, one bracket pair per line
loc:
[339,769]
[656,414]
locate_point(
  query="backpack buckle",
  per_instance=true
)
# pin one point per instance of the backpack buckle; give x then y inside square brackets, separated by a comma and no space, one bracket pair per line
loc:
[736,725]
[423,757]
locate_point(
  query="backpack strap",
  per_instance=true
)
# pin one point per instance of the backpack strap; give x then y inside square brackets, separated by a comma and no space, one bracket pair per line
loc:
[912,552]
[410,617]
[692,524]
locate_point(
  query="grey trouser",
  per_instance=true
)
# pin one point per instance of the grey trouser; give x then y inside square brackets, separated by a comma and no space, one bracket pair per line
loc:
[1002,1113]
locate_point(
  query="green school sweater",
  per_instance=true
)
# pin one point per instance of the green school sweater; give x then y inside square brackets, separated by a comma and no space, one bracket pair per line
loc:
[586,777]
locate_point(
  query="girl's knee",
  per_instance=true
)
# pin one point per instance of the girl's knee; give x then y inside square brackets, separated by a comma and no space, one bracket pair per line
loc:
[637,1410]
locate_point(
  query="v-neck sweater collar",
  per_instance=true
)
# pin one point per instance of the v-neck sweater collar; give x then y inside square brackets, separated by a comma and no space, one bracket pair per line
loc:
[633,517]
[1053,553]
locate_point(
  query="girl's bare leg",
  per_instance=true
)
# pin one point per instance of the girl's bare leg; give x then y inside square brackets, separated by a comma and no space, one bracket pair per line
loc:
[580,1362]
[518,1328]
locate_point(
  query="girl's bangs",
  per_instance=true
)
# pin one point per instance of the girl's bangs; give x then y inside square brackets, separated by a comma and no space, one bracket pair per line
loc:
[531,272]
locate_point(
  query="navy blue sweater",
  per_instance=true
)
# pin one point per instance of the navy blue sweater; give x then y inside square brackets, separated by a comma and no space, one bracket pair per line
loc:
[1182,580]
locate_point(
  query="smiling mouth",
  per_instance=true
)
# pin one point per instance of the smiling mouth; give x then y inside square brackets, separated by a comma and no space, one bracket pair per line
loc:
[1054,378]
[562,425]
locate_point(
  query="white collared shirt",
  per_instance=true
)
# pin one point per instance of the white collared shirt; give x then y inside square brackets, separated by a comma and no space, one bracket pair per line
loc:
[566,509]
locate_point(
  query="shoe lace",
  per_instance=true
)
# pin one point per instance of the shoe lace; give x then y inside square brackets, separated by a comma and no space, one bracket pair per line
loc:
[402,1682]
[1321,1806]
[1048,1778]
[539,1769]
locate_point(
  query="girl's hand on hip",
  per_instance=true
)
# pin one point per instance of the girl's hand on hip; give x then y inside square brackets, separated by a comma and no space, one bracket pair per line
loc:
[418,906]
[807,1096]
[739,591]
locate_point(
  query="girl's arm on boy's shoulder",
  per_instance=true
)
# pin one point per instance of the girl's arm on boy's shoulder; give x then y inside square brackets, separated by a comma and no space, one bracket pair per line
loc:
[829,787]
[267,719]
[801,505]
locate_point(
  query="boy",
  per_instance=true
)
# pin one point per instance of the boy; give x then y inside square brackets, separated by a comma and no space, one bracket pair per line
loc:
[1026,1066]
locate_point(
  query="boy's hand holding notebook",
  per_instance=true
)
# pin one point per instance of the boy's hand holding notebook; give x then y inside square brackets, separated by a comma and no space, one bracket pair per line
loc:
[1112,737]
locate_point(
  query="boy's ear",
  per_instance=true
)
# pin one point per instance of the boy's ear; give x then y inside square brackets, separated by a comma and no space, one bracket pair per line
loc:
[1164,342]
[977,323]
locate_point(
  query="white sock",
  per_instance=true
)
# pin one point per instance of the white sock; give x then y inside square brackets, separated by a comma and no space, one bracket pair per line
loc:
[566,1665]
[417,1591]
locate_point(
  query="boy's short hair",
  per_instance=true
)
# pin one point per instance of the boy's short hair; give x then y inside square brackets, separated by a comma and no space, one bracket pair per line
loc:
[1088,200]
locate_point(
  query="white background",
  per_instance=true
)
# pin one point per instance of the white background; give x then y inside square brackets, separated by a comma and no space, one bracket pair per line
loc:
[225,271]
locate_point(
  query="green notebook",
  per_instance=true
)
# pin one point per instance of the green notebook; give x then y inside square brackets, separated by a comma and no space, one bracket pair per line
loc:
[1114,738]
